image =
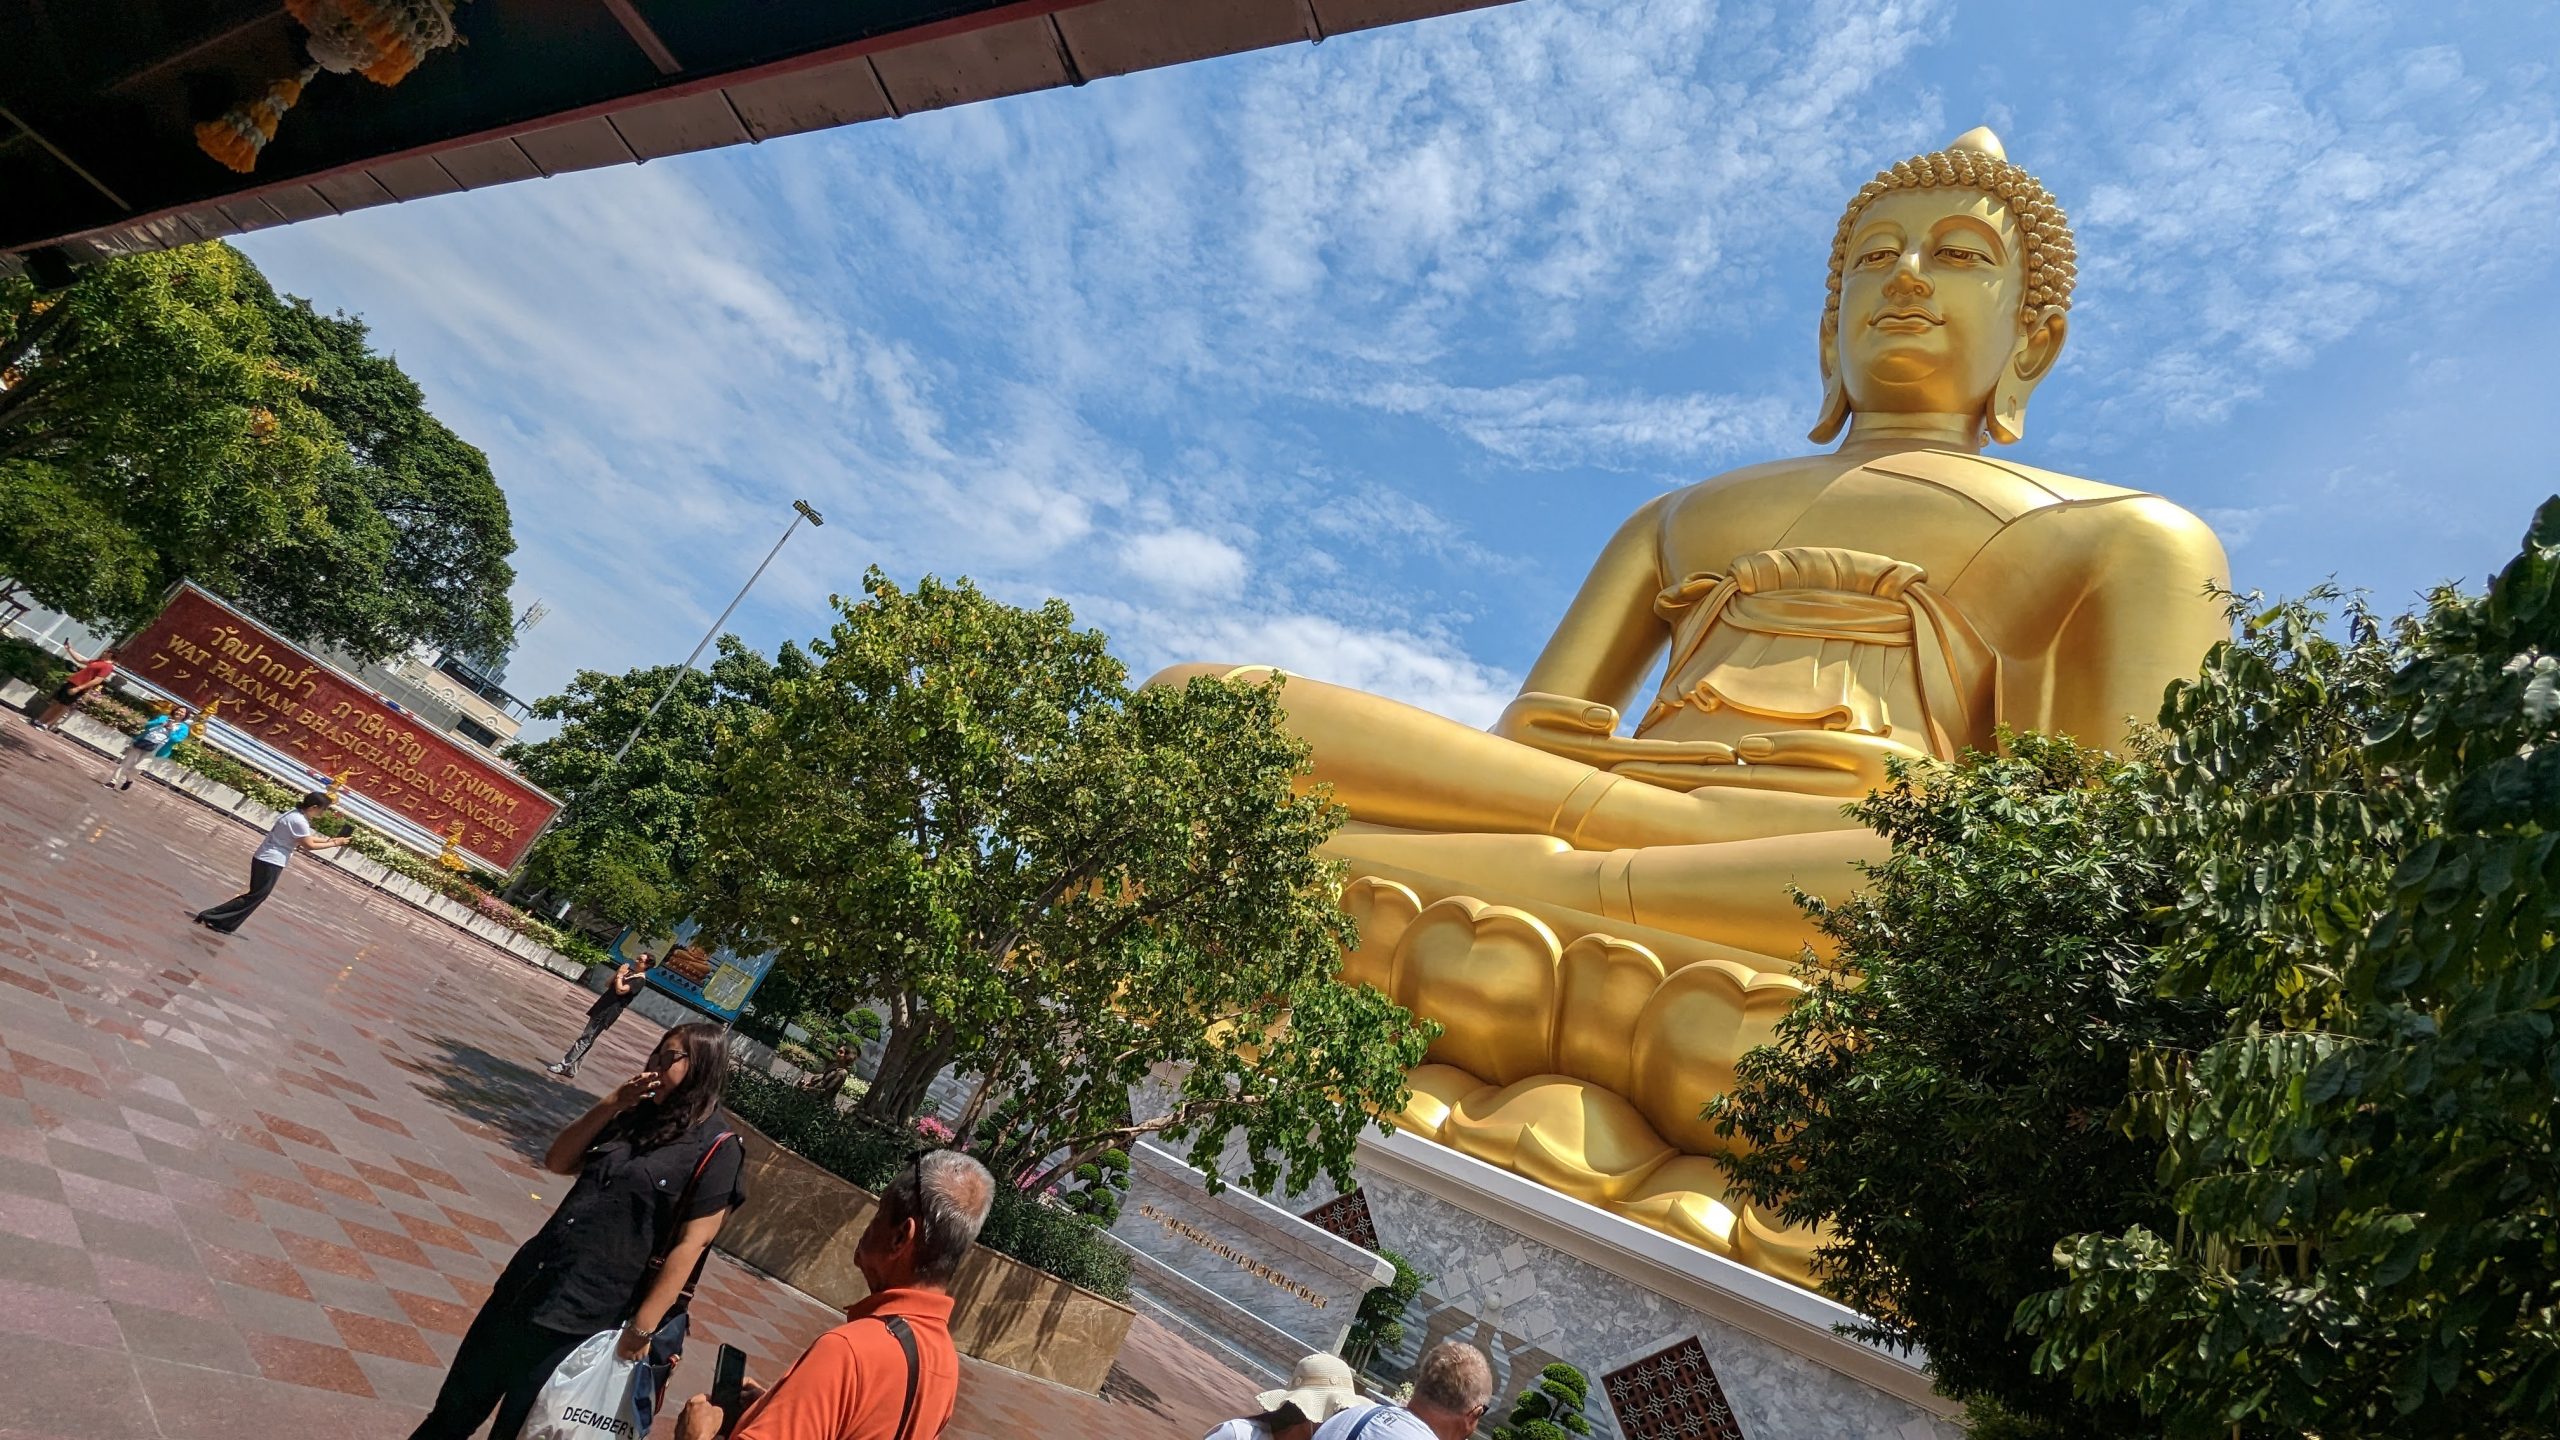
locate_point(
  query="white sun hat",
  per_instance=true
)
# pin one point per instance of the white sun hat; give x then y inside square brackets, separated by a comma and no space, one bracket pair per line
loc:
[1322,1388]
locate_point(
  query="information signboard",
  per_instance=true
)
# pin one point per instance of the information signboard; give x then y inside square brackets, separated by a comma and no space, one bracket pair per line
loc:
[717,981]
[201,650]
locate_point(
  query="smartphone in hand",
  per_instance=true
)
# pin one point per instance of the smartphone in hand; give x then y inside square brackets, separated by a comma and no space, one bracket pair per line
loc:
[728,1383]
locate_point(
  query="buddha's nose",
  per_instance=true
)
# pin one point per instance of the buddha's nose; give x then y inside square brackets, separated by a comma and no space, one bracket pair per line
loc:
[1906,279]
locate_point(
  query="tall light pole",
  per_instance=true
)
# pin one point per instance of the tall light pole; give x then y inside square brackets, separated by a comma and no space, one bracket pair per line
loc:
[800,511]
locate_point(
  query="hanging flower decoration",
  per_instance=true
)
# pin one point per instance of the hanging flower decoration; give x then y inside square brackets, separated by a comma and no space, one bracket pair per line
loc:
[237,137]
[382,40]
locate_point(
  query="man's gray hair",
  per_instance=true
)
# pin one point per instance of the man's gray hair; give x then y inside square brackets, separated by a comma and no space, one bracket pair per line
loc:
[947,1194]
[1453,1376]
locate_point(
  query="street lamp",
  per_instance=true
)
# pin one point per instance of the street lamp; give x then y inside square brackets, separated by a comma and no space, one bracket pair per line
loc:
[800,511]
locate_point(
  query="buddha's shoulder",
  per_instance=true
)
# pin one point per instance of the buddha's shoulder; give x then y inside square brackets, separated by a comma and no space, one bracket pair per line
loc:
[2013,491]
[2002,491]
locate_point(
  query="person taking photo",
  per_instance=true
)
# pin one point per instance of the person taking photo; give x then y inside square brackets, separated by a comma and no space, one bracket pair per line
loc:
[617,997]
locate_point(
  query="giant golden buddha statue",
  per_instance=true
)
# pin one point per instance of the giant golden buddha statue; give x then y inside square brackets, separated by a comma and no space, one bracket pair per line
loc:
[1602,920]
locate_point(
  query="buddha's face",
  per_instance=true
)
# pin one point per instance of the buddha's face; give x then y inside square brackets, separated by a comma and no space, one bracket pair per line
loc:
[1929,299]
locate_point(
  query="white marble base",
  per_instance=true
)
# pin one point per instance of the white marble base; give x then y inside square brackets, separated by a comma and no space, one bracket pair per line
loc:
[1532,1276]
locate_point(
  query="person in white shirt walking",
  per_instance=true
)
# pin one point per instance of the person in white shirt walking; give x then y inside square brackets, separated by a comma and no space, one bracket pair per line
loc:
[1452,1390]
[292,832]
[1322,1388]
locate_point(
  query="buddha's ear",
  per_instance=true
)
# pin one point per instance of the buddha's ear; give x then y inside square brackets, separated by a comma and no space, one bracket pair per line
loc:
[2039,345]
[1835,395]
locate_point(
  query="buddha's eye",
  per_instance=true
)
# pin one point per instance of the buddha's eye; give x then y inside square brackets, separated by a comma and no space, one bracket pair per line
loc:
[1879,257]
[1961,256]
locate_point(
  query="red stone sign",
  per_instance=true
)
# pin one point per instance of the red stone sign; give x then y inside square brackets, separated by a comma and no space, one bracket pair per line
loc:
[203,651]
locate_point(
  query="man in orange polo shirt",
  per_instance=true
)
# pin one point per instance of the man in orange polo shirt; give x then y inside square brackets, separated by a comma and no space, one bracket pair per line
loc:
[890,1372]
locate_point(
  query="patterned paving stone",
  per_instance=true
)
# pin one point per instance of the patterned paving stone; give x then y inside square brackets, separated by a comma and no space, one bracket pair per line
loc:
[256,1185]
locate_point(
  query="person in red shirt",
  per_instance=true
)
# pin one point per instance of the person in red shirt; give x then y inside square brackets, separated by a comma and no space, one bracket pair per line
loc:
[75,687]
[890,1372]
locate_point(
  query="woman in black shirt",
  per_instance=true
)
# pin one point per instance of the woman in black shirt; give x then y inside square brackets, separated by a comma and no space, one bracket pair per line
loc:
[588,1269]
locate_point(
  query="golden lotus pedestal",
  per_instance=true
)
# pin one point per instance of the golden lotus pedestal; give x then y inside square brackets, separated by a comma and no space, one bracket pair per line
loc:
[1602,1102]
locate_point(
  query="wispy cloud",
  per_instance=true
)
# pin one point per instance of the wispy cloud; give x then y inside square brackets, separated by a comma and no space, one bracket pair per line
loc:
[2277,180]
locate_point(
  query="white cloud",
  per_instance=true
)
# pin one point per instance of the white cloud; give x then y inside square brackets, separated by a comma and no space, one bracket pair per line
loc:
[1559,423]
[2278,181]
[1185,561]
[2238,525]
[1427,670]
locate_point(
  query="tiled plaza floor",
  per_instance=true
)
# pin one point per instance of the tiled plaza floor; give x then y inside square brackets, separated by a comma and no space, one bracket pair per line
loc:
[255,1186]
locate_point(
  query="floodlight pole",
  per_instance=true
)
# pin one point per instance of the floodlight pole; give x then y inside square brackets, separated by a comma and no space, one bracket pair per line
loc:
[800,511]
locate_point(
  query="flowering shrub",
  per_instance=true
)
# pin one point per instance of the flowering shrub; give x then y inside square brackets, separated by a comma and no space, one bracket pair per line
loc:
[934,1131]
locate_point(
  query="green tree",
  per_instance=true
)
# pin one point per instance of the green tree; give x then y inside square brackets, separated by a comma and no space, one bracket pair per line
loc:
[2364,1164]
[1550,1409]
[413,505]
[1942,1096]
[631,832]
[1379,1324]
[166,417]
[1071,890]
[147,432]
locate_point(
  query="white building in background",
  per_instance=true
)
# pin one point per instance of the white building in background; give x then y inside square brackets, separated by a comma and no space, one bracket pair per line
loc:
[463,698]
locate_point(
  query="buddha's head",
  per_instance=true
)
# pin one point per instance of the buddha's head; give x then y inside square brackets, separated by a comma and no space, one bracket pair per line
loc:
[1950,278]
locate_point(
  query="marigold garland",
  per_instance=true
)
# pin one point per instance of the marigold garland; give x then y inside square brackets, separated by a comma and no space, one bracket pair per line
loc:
[382,40]
[237,137]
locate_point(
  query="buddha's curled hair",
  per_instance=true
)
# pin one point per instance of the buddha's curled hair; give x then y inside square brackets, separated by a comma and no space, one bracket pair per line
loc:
[2050,258]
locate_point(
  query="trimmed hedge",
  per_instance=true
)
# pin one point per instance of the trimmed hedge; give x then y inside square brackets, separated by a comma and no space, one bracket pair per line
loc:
[1048,1239]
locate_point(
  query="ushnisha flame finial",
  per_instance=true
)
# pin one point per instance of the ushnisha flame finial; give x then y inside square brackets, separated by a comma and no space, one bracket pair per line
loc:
[1979,141]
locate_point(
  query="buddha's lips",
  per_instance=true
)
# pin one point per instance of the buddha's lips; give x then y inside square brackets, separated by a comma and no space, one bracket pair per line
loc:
[1923,316]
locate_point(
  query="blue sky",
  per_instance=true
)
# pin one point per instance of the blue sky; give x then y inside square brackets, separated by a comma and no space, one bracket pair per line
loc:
[1347,357]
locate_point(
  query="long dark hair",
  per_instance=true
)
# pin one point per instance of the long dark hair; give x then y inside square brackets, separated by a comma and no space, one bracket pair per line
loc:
[661,1121]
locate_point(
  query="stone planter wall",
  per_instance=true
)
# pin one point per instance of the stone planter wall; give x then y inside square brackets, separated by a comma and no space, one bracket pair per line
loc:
[800,1225]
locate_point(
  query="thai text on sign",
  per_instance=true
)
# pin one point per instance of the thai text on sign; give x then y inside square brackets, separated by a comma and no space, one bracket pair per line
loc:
[201,650]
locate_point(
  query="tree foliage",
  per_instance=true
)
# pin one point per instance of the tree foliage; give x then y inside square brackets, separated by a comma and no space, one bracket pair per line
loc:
[631,831]
[1550,1409]
[166,416]
[2363,1166]
[1073,891]
[412,515]
[1942,1097]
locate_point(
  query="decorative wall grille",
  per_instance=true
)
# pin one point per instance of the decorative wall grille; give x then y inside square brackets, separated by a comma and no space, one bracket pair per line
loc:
[1347,1216]
[1672,1395]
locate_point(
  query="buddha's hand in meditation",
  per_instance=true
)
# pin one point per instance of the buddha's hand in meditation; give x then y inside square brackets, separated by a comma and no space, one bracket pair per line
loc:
[1586,730]
[1802,762]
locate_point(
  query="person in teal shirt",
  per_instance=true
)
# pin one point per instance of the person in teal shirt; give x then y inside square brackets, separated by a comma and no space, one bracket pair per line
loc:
[157,738]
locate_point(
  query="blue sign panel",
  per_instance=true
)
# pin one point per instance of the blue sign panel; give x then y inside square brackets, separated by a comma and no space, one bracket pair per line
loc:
[717,981]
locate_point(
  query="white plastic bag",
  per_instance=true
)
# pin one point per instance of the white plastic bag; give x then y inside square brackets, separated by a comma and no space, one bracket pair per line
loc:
[590,1397]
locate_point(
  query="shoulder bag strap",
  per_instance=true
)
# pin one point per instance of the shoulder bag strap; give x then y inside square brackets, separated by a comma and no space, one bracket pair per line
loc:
[684,1202]
[915,1371]
[1361,1425]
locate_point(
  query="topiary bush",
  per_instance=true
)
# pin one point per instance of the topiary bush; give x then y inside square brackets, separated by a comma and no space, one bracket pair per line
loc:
[1379,1323]
[1096,1188]
[1550,1409]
